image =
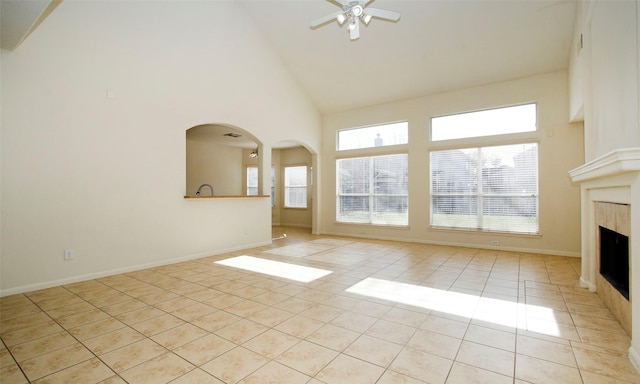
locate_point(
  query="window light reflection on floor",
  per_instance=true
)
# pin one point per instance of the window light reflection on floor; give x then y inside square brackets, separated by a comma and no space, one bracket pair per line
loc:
[275,268]
[500,312]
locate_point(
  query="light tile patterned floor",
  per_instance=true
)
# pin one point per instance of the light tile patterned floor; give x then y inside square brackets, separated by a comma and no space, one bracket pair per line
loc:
[386,313]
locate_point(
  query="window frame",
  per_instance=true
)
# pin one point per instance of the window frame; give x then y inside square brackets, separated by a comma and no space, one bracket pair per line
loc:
[273,185]
[285,186]
[374,146]
[529,137]
[370,195]
[489,137]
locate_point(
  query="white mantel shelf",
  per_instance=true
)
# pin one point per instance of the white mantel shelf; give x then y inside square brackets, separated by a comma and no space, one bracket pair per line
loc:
[613,163]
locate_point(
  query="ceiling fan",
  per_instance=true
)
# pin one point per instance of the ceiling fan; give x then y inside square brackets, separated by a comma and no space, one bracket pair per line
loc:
[355,11]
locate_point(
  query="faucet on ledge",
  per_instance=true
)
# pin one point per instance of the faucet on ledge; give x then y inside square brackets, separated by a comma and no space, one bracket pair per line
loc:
[204,185]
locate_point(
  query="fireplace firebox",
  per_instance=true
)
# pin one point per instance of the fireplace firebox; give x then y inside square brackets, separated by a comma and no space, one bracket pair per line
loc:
[614,259]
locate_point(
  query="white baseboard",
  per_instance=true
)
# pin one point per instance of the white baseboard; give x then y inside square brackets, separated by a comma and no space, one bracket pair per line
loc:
[635,358]
[454,244]
[132,268]
[586,284]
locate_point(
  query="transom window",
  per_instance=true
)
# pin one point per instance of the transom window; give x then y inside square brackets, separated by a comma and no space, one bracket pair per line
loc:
[499,121]
[373,190]
[375,136]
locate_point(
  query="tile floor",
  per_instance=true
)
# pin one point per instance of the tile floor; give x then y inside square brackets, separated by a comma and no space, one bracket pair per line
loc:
[359,311]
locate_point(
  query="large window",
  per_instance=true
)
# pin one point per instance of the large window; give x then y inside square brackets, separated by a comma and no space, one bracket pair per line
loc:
[295,187]
[489,188]
[373,190]
[375,136]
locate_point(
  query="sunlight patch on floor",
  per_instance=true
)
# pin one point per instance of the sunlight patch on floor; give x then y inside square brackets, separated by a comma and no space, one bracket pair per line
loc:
[275,268]
[500,312]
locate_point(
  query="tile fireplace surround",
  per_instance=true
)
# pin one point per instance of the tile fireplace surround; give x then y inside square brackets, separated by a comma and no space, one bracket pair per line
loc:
[612,178]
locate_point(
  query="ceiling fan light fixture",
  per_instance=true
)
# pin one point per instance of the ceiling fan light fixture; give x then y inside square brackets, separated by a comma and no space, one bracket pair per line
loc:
[254,153]
[355,11]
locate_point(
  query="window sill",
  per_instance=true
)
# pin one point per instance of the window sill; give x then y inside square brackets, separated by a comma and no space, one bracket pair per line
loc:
[368,225]
[484,232]
[224,197]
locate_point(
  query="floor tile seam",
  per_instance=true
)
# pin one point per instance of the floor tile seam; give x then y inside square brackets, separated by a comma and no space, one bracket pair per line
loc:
[50,319]
[62,369]
[544,357]
[68,333]
[15,362]
[276,358]
[146,361]
[423,352]
[102,335]
[601,331]
[90,281]
[586,369]
[513,374]
[353,357]
[40,353]
[166,350]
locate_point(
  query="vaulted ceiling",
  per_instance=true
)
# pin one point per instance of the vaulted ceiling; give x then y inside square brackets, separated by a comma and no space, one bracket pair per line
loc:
[436,46]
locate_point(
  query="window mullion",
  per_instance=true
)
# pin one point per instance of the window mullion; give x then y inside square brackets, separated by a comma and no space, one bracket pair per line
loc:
[371,189]
[480,189]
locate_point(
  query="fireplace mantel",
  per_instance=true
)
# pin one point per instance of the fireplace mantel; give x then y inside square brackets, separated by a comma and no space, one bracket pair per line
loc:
[612,164]
[612,178]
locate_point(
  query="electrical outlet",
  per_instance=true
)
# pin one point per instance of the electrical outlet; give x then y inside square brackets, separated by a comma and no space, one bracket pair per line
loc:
[495,242]
[68,254]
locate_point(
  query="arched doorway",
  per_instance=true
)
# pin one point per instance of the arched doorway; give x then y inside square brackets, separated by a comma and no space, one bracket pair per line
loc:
[294,185]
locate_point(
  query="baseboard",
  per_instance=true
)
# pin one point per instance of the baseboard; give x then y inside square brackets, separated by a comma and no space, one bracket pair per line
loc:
[133,268]
[585,284]
[635,358]
[293,225]
[463,245]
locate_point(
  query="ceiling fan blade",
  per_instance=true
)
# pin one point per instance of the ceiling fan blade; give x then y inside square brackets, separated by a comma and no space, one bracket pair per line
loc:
[324,20]
[337,3]
[383,14]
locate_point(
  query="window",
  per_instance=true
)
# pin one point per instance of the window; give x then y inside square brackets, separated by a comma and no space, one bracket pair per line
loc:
[376,136]
[489,188]
[520,118]
[252,183]
[373,190]
[295,187]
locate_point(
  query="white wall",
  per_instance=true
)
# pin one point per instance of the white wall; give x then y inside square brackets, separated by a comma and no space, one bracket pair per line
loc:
[560,150]
[606,80]
[95,105]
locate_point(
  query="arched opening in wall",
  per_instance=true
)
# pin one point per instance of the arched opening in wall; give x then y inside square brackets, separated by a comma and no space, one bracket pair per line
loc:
[293,185]
[217,160]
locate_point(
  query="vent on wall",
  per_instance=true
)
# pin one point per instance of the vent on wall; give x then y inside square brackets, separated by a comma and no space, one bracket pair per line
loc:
[232,134]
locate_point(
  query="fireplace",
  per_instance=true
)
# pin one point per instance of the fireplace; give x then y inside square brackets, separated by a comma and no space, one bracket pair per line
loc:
[610,198]
[614,259]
